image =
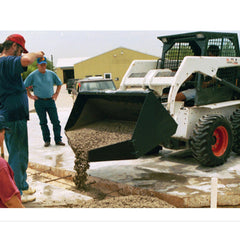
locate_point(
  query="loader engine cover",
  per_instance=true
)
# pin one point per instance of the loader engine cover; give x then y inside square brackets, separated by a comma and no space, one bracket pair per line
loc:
[118,125]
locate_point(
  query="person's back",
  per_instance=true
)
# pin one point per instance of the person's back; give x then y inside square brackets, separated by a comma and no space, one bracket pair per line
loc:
[13,98]
[8,188]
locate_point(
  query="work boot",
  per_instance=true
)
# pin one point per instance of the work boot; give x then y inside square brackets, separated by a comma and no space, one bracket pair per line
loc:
[29,191]
[47,144]
[27,198]
[60,143]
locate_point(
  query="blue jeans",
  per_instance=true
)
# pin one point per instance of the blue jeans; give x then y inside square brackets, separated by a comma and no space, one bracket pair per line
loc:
[189,94]
[42,108]
[17,145]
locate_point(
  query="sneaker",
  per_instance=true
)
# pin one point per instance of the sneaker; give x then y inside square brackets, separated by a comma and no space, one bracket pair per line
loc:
[60,143]
[29,191]
[27,198]
[47,144]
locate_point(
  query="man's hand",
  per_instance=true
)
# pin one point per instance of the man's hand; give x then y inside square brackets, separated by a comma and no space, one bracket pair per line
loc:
[54,96]
[30,95]
[34,97]
[14,202]
[29,58]
[40,54]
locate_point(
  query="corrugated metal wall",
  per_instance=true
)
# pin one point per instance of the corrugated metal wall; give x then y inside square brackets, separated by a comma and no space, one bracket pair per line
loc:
[115,62]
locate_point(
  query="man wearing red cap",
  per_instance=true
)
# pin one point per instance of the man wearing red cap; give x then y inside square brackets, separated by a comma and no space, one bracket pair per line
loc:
[14,106]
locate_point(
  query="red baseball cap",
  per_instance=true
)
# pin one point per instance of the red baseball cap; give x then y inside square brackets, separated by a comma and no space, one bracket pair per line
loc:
[19,39]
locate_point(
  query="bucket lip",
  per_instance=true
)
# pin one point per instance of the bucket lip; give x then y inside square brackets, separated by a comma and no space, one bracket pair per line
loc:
[117,92]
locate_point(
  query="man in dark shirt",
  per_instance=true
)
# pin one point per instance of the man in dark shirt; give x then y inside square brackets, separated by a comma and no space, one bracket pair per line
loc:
[14,104]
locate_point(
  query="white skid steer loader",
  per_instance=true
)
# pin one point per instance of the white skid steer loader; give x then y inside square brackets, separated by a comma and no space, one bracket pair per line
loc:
[208,123]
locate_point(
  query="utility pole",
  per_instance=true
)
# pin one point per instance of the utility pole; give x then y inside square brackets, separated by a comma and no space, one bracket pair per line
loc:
[52,62]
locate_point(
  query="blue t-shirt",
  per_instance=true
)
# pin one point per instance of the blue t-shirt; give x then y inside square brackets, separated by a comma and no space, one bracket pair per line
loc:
[42,83]
[13,95]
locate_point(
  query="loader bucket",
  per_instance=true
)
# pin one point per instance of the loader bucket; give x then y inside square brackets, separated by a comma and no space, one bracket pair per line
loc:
[118,125]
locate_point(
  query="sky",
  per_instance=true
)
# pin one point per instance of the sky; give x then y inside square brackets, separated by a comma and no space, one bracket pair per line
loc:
[64,30]
[82,43]
[67,44]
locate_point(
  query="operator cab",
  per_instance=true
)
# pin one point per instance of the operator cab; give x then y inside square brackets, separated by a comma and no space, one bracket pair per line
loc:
[176,47]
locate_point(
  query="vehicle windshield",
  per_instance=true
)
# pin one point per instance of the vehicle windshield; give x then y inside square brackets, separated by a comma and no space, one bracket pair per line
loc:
[99,85]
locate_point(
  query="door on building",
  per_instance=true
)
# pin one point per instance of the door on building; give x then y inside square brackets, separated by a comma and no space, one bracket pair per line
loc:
[67,74]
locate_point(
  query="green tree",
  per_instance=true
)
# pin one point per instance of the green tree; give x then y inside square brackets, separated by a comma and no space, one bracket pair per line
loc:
[33,67]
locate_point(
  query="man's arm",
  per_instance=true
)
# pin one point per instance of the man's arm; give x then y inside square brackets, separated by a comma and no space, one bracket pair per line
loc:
[55,95]
[29,58]
[30,95]
[2,132]
[14,202]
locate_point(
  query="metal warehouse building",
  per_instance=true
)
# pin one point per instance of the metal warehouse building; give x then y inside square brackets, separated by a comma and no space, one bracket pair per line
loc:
[112,64]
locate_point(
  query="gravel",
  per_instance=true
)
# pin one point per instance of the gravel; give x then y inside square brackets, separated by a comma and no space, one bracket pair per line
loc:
[132,201]
[92,136]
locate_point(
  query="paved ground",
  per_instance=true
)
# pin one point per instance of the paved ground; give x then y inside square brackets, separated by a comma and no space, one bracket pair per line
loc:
[172,176]
[53,191]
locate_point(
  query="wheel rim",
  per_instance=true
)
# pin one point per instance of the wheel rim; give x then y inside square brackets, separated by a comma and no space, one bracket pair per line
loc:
[220,136]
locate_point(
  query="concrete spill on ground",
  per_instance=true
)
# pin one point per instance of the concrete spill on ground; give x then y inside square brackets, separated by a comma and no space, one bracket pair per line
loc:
[92,136]
[132,201]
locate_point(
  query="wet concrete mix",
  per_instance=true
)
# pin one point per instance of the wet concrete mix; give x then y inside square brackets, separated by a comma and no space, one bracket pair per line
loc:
[131,201]
[94,136]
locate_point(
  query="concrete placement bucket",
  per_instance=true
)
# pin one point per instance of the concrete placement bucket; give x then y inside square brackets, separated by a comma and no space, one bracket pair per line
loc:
[118,125]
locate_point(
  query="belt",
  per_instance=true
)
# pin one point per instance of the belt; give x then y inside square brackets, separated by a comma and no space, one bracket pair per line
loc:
[44,98]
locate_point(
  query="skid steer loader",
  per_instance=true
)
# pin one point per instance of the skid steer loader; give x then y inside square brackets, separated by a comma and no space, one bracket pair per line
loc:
[208,124]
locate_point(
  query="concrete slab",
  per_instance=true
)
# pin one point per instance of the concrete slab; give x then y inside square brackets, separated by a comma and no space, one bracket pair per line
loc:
[176,174]
[52,193]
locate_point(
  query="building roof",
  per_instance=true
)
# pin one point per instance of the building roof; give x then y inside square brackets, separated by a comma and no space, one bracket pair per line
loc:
[115,50]
[69,62]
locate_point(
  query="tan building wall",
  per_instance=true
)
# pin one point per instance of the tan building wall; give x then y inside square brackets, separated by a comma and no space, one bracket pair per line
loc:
[59,72]
[115,62]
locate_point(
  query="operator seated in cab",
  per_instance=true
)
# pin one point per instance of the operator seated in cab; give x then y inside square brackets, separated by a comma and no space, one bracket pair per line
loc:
[189,94]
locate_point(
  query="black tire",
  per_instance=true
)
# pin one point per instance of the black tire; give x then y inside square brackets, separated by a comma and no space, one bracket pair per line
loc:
[235,121]
[212,140]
